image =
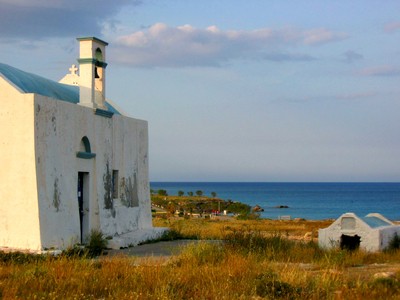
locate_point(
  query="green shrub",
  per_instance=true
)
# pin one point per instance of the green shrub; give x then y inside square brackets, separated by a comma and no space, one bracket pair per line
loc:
[162,192]
[168,235]
[268,286]
[20,258]
[248,216]
[97,243]
[394,243]
[75,251]
[389,284]
[256,242]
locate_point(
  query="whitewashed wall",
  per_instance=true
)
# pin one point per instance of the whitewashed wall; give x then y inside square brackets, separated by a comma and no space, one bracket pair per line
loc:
[372,239]
[120,143]
[40,137]
[19,215]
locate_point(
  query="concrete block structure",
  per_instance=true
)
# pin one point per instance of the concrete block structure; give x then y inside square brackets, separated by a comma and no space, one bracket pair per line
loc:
[371,233]
[71,161]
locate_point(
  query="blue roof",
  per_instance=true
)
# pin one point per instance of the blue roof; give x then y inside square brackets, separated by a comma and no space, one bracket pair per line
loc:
[375,222]
[31,83]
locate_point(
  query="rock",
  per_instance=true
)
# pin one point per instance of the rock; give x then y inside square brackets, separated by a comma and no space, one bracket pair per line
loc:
[308,236]
[258,208]
[384,275]
[282,206]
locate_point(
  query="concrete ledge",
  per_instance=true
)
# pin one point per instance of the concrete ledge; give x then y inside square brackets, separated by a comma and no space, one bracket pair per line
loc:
[134,238]
[85,155]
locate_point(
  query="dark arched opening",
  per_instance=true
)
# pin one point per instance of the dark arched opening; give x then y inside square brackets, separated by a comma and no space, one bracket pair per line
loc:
[98,54]
[85,150]
[85,145]
[349,242]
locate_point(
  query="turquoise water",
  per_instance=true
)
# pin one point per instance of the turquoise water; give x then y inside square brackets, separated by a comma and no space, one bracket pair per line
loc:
[312,201]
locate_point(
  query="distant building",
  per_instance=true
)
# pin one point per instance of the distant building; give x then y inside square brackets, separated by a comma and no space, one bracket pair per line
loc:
[370,233]
[71,161]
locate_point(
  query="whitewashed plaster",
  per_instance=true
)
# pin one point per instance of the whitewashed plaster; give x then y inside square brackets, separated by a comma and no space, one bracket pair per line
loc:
[372,239]
[120,143]
[40,139]
[19,214]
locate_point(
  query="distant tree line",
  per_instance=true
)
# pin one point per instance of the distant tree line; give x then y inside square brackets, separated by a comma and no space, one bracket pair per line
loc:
[197,204]
[162,192]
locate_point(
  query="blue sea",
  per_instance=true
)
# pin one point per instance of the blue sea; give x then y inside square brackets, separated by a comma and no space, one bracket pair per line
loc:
[311,201]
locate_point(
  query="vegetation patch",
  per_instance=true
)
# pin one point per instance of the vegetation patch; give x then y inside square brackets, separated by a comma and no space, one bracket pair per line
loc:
[20,258]
[257,242]
[97,244]
[394,243]
[197,204]
[257,259]
[267,285]
[169,235]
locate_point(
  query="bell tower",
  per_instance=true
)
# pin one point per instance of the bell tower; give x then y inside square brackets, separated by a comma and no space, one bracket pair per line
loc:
[92,72]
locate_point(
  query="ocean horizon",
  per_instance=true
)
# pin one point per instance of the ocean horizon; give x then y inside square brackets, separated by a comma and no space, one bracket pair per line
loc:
[306,200]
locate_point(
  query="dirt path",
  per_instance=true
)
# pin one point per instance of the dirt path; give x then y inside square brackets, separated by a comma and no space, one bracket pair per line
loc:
[160,249]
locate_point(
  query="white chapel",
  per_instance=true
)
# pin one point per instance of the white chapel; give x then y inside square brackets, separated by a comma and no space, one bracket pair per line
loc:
[72,162]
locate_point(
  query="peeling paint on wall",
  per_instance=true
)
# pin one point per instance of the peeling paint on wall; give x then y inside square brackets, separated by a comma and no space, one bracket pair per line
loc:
[56,196]
[40,138]
[129,195]
[107,181]
[54,124]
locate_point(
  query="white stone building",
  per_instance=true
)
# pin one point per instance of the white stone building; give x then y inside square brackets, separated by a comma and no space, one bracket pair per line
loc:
[71,161]
[370,233]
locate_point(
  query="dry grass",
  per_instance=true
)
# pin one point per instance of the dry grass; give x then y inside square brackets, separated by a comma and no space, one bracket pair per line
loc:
[218,227]
[249,265]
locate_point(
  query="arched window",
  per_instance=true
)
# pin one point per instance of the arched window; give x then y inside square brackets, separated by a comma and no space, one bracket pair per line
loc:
[98,54]
[98,69]
[84,149]
[85,145]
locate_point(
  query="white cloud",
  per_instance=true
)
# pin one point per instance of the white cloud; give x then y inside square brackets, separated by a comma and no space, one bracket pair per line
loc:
[321,36]
[392,27]
[385,70]
[161,45]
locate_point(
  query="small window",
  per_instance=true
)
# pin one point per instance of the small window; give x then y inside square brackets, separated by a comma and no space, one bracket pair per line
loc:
[115,184]
[84,149]
[85,145]
[348,223]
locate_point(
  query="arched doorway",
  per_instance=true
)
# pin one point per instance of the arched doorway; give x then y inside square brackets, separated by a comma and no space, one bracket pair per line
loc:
[348,242]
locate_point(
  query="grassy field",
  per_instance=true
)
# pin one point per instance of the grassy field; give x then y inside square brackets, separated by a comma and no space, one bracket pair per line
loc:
[218,227]
[257,259]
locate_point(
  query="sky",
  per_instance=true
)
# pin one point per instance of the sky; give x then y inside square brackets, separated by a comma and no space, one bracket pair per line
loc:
[235,90]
